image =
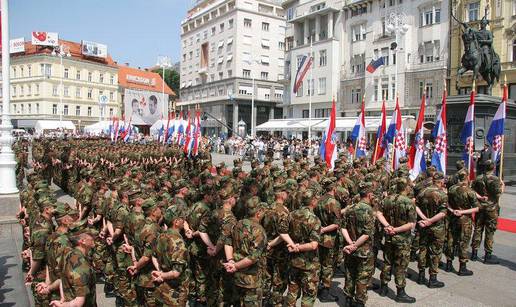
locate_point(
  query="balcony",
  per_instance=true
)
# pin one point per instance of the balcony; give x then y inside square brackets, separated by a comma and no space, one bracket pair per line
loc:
[383,37]
[441,64]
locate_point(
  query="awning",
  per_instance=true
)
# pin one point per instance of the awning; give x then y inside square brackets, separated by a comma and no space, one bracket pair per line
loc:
[42,125]
[293,124]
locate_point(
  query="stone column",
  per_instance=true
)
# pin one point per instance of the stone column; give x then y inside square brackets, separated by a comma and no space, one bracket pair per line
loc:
[317,27]
[235,118]
[306,32]
[330,25]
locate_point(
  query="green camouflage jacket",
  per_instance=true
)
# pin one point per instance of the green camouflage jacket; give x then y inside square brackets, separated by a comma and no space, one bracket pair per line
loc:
[328,212]
[359,220]
[78,278]
[399,210]
[305,227]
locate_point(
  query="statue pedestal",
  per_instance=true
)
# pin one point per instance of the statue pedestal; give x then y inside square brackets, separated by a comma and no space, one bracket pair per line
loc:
[485,109]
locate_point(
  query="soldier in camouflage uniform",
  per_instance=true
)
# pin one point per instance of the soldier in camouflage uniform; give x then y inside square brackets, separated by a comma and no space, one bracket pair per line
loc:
[491,187]
[245,254]
[357,227]
[398,217]
[432,204]
[328,212]
[304,230]
[463,203]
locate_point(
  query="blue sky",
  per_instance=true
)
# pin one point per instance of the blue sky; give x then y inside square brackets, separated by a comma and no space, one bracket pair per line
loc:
[135,31]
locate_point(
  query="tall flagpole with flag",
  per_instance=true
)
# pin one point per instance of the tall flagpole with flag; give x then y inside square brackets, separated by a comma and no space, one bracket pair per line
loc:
[379,149]
[329,153]
[440,154]
[467,136]
[396,136]
[358,135]
[495,135]
[417,162]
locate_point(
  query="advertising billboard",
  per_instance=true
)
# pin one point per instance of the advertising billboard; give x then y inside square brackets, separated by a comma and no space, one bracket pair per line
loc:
[144,107]
[94,49]
[17,45]
[45,38]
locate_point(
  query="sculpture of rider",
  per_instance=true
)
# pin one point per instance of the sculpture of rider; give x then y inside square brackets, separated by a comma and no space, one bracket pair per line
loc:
[485,40]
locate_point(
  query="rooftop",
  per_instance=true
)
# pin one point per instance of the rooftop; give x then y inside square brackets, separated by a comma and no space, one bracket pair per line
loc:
[130,77]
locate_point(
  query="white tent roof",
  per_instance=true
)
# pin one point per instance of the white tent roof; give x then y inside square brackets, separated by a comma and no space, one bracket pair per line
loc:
[42,125]
[99,127]
[320,124]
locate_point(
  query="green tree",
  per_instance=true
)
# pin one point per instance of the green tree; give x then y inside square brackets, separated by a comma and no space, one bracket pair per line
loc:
[171,79]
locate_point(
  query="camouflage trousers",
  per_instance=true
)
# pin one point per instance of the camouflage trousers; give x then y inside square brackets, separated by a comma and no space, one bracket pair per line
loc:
[327,259]
[249,297]
[414,247]
[228,296]
[304,281]
[40,300]
[172,294]
[431,243]
[459,235]
[396,255]
[358,274]
[485,221]
[275,281]
[146,296]
[124,285]
[203,286]
[100,255]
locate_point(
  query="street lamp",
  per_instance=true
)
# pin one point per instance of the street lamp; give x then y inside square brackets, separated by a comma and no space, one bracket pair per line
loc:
[396,23]
[163,62]
[7,162]
[61,51]
[253,132]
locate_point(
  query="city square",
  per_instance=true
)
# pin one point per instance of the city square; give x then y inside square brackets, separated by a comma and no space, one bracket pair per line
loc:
[258,153]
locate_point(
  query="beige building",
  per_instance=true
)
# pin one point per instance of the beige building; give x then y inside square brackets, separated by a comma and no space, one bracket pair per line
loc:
[36,92]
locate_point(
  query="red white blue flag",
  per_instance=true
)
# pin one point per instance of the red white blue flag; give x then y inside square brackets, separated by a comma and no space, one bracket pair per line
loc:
[328,148]
[380,136]
[302,70]
[197,134]
[396,136]
[417,161]
[496,130]
[466,136]
[358,135]
[440,155]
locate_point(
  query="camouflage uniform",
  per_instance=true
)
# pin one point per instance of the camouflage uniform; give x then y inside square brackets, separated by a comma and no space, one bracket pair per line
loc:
[359,220]
[249,241]
[144,241]
[78,278]
[58,246]
[39,234]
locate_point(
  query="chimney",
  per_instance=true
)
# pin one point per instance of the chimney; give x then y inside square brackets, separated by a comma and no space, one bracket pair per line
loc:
[127,64]
[115,62]
[139,68]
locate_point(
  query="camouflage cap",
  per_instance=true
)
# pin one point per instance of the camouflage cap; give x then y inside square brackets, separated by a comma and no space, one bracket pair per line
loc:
[206,189]
[365,187]
[253,206]
[61,209]
[438,176]
[181,183]
[148,204]
[329,182]
[176,212]
[279,187]
[291,184]
[490,165]
[307,197]
[462,174]
[459,164]
[401,184]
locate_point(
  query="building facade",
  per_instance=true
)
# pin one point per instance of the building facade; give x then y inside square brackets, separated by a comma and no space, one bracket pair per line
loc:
[37,94]
[419,60]
[502,22]
[232,49]
[315,27]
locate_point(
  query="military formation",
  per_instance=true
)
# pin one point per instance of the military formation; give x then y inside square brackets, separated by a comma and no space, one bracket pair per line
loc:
[158,228]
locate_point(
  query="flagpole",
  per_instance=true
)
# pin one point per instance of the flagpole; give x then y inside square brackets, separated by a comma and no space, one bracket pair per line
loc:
[503,134]
[470,156]
[310,90]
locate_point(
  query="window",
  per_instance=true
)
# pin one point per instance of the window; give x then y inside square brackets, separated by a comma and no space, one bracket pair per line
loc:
[246,73]
[213,30]
[111,96]
[29,90]
[77,110]
[359,33]
[310,87]
[101,78]
[21,107]
[305,114]
[437,16]
[90,76]
[221,75]
[46,70]
[265,75]
[323,58]
[322,86]
[78,92]
[281,46]
[247,23]
[89,111]
[230,24]
[65,75]
[429,89]
[78,75]
[65,109]
[385,56]
[21,71]
[110,112]
[429,52]
[421,89]
[265,60]
[37,108]
[112,79]
[473,9]
[54,90]
[428,17]
[54,109]
[221,26]
[14,72]
[29,70]
[65,91]
[385,88]
[290,13]
[37,90]
[265,26]
[300,92]
[230,73]
[90,93]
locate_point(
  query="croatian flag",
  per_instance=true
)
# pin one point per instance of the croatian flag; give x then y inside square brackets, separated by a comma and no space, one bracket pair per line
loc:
[466,136]
[302,70]
[440,154]
[188,136]
[371,68]
[180,129]
[496,130]
[417,161]
[358,135]
[111,129]
[396,136]
[166,129]
[116,128]
[380,136]
[329,153]
[171,128]
[197,134]
[128,131]
[161,130]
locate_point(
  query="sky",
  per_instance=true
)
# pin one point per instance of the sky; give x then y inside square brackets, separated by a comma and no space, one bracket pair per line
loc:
[135,31]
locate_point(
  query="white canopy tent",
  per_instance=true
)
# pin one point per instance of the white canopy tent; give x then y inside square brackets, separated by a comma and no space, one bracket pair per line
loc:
[100,127]
[42,126]
[288,125]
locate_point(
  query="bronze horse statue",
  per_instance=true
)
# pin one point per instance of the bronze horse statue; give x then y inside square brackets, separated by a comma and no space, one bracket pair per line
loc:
[474,58]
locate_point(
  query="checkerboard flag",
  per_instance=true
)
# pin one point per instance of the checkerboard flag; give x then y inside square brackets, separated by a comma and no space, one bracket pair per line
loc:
[358,135]
[440,155]
[466,136]
[417,161]
[328,149]
[396,136]
[496,130]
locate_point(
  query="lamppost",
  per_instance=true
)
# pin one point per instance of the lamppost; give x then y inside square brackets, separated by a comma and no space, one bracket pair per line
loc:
[164,62]
[253,132]
[396,23]
[7,162]
[61,51]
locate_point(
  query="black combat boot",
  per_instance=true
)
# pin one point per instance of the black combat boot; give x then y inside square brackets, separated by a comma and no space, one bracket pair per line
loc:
[474,255]
[434,283]
[463,271]
[119,302]
[402,297]
[490,259]
[421,280]
[326,297]
[449,266]
[383,290]
[108,289]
